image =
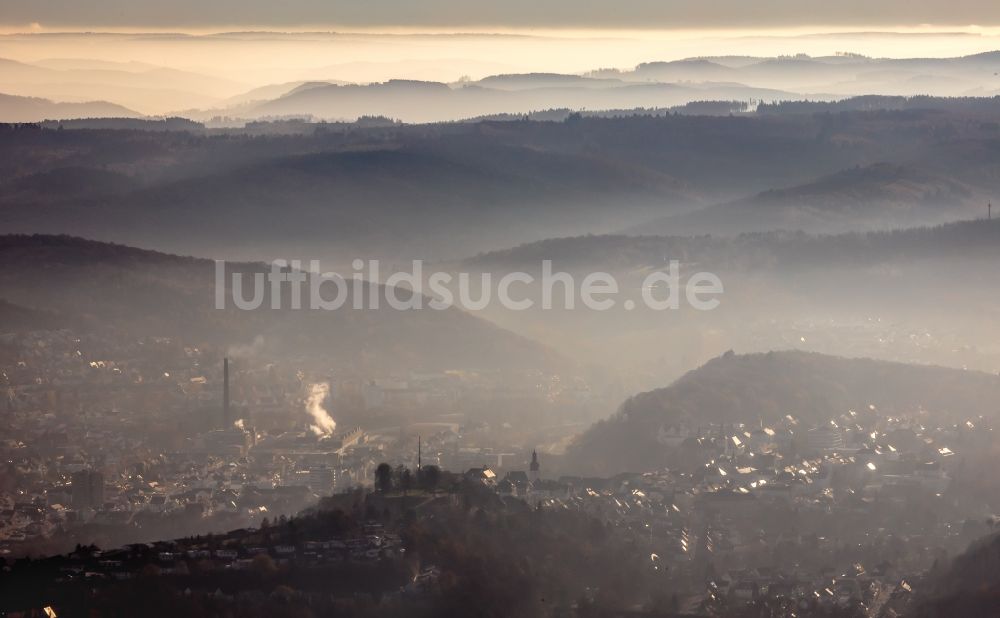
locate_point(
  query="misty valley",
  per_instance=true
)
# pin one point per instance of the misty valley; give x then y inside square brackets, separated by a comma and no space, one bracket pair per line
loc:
[297,321]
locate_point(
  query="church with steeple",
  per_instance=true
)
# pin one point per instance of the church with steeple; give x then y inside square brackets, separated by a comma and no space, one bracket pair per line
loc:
[529,485]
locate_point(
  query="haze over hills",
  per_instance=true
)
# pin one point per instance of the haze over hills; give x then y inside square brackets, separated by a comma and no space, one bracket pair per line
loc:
[16,318]
[412,94]
[841,75]
[253,197]
[812,388]
[397,309]
[967,585]
[649,85]
[901,295]
[444,191]
[879,196]
[95,286]
[413,101]
[964,242]
[151,88]
[33,109]
[833,201]
[283,201]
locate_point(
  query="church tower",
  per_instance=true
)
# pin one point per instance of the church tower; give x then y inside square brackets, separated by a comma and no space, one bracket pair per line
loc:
[533,470]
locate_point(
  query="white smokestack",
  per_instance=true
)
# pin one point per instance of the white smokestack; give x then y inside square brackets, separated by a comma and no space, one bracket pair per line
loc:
[324,423]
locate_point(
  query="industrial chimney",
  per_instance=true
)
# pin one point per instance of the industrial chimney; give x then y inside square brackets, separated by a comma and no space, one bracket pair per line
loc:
[227,421]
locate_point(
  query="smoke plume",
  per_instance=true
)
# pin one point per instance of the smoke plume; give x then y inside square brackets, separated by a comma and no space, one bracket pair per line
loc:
[324,423]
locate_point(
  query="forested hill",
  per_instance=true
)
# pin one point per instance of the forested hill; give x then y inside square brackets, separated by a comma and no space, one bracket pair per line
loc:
[443,191]
[972,239]
[99,285]
[968,586]
[766,387]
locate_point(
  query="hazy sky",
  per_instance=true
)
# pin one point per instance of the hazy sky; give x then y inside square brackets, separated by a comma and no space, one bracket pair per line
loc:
[199,14]
[376,40]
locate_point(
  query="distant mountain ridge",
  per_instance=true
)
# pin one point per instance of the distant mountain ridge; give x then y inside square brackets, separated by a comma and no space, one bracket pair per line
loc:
[33,109]
[977,239]
[445,191]
[150,88]
[882,195]
[443,187]
[653,84]
[422,101]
